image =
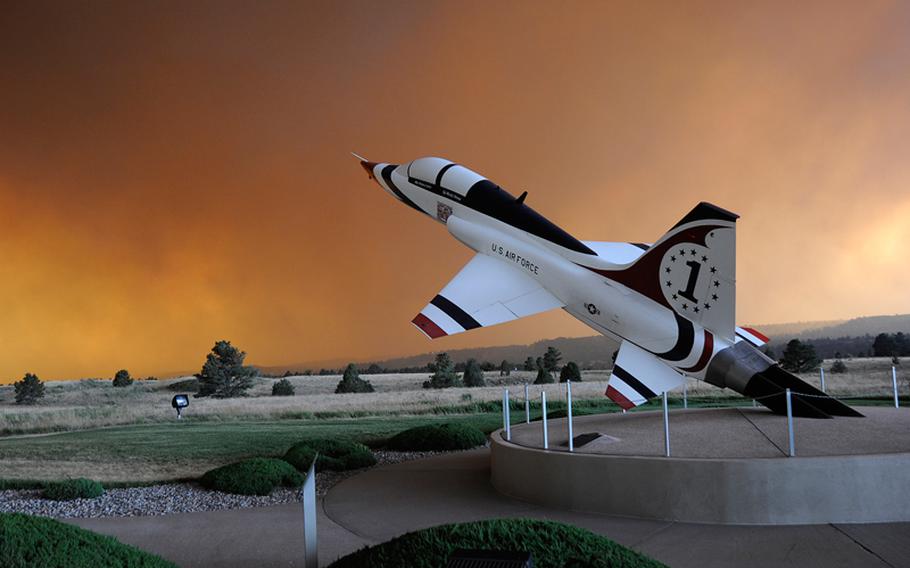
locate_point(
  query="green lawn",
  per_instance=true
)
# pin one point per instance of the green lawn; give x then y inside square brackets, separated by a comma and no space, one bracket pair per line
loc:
[145,453]
[149,452]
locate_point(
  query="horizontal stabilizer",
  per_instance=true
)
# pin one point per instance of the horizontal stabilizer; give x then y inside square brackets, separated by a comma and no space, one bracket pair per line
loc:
[751,335]
[486,292]
[639,376]
[769,389]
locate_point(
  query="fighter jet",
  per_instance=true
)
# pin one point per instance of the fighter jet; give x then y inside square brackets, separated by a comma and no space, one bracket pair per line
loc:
[670,304]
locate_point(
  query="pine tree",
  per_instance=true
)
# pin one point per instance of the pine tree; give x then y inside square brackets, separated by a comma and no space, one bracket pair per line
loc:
[29,389]
[570,372]
[443,373]
[551,359]
[530,365]
[223,375]
[122,378]
[505,369]
[799,357]
[351,381]
[473,374]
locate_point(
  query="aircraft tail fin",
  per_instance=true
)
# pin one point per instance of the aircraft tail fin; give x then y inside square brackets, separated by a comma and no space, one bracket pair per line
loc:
[692,269]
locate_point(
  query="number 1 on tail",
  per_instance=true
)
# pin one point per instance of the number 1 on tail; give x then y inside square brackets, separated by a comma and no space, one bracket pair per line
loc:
[694,269]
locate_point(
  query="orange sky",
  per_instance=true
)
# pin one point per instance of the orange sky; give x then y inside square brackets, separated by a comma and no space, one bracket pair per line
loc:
[175,173]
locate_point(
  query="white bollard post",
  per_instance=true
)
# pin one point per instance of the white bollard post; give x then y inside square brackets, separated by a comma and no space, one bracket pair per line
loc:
[666,427]
[822,371]
[790,424]
[543,406]
[527,407]
[686,394]
[897,403]
[569,410]
[754,403]
[507,415]
[308,501]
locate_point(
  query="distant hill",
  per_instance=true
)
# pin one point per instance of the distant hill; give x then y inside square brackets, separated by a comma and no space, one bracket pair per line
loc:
[791,330]
[597,351]
[872,325]
[593,352]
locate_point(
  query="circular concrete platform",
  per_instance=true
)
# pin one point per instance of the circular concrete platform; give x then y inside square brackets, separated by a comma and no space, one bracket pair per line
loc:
[728,466]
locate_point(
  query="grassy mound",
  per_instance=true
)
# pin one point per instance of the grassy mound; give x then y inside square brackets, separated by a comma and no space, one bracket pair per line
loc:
[335,455]
[29,542]
[438,437]
[68,489]
[257,476]
[552,545]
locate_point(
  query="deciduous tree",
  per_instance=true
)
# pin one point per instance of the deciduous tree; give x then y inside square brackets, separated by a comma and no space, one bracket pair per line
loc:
[570,372]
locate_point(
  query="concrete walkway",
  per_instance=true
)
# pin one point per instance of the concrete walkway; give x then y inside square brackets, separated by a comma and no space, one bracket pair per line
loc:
[385,502]
[727,433]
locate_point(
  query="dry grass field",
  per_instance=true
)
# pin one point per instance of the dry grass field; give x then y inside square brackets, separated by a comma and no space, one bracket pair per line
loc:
[131,435]
[79,405]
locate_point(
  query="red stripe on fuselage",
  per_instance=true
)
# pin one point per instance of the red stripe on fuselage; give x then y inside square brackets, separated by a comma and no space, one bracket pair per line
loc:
[427,326]
[619,398]
[705,354]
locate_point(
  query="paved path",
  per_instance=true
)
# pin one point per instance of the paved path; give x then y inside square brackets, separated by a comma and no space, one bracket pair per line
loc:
[388,501]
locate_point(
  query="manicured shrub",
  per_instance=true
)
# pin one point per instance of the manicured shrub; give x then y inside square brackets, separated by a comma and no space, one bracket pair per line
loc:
[257,476]
[29,390]
[351,381]
[552,545]
[68,489]
[282,388]
[122,378]
[335,455]
[438,437]
[28,542]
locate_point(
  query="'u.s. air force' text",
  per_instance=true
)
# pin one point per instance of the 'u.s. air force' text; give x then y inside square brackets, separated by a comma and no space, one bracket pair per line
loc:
[516,258]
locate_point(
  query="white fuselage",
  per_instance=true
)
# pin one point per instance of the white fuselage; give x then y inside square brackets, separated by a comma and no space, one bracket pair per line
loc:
[604,305]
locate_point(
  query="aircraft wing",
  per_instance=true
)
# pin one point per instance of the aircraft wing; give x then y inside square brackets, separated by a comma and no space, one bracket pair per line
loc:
[618,253]
[486,292]
[639,376]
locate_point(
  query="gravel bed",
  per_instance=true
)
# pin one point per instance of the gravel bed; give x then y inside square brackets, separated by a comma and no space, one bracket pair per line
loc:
[175,497]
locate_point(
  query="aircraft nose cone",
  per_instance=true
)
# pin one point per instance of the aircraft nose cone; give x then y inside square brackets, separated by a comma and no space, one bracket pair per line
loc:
[368,167]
